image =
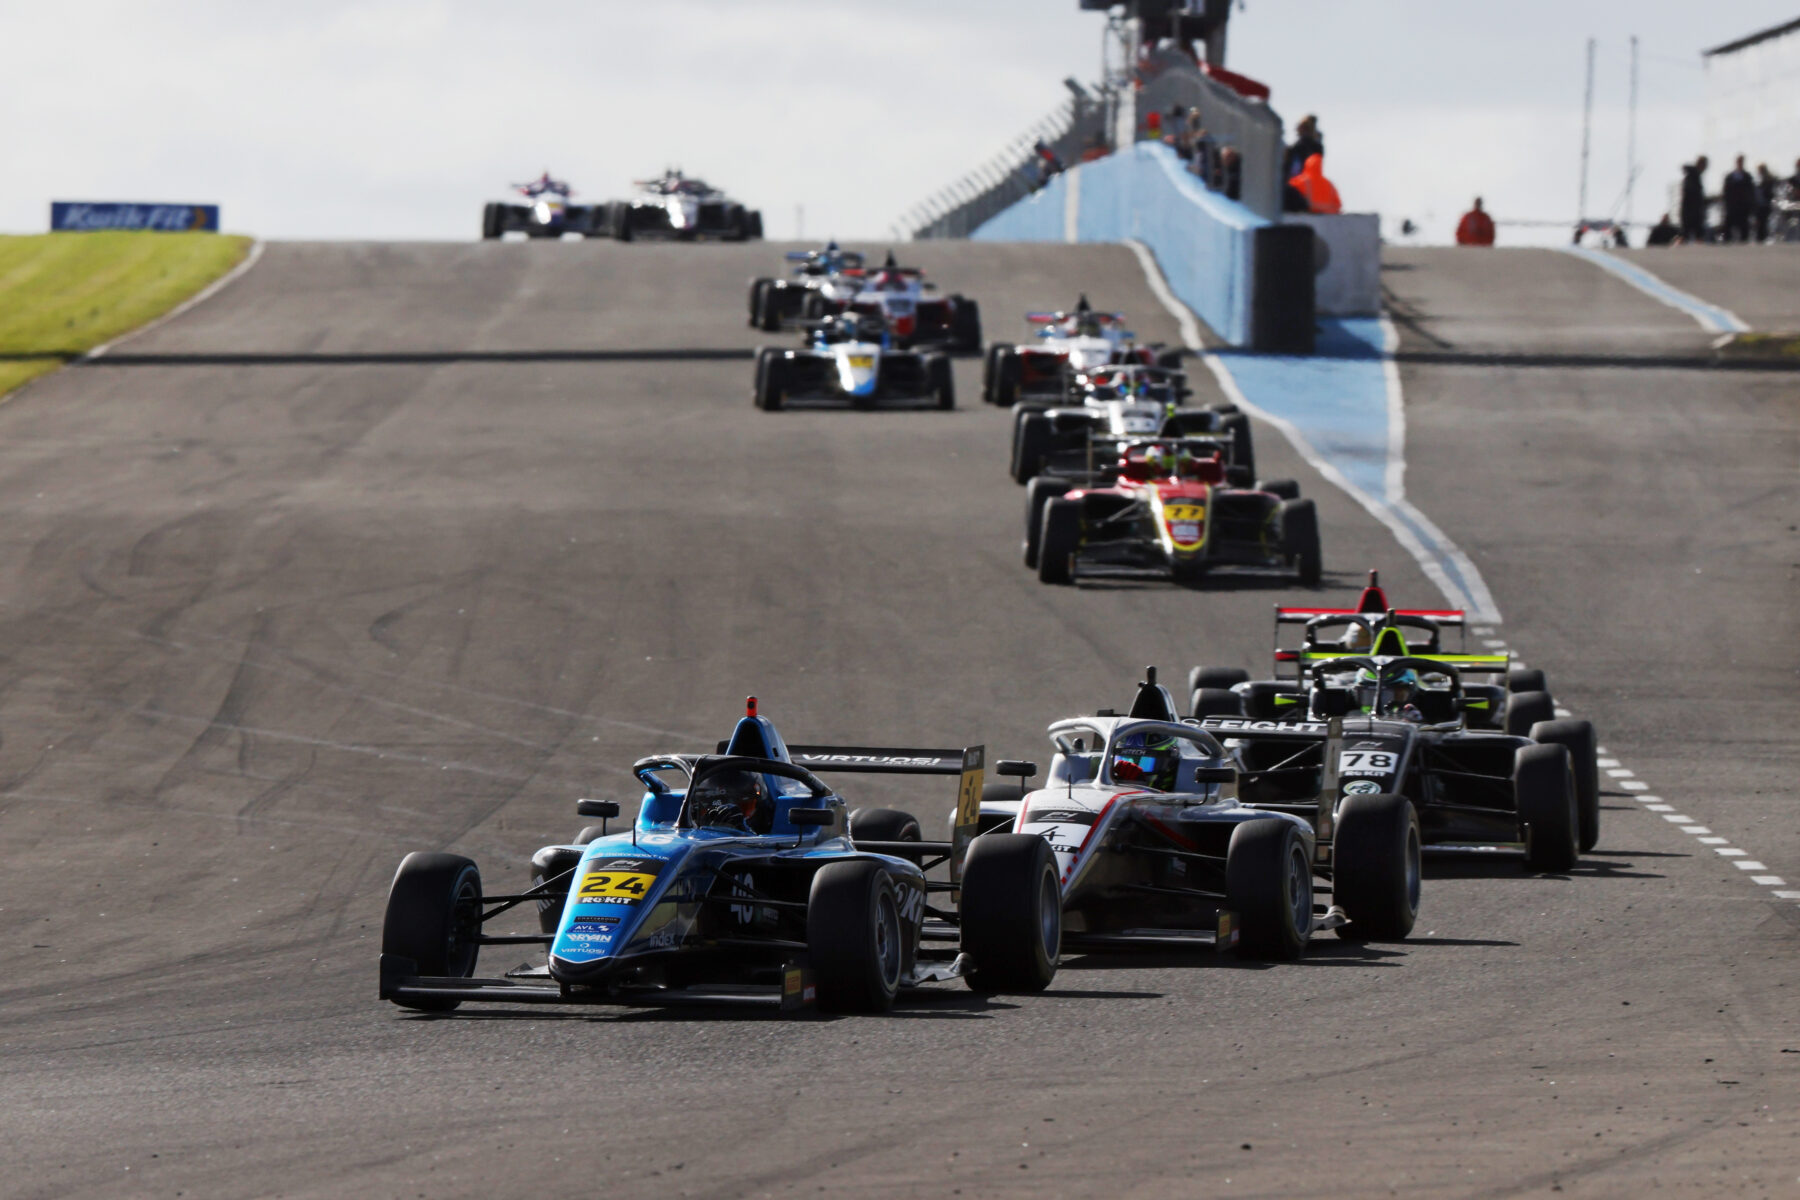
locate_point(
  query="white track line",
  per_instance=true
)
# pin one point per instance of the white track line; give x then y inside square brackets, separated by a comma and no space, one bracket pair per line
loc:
[206,293]
[1410,527]
[1713,318]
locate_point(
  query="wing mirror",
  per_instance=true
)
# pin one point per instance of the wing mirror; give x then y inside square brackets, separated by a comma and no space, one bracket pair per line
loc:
[807,818]
[1215,775]
[1333,702]
[1015,768]
[605,809]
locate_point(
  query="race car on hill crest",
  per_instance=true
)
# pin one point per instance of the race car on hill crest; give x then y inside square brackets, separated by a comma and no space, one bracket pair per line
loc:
[1067,343]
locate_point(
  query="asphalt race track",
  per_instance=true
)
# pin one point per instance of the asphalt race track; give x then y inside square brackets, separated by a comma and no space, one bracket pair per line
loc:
[395,547]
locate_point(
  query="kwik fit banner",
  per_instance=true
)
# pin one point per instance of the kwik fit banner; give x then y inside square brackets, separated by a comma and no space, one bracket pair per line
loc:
[164,218]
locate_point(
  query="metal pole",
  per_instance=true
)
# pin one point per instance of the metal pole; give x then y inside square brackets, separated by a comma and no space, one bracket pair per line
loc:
[1631,132]
[1587,123]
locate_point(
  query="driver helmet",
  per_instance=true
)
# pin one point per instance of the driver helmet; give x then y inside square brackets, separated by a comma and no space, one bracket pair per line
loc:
[1356,637]
[728,800]
[1146,757]
[1399,690]
[1167,460]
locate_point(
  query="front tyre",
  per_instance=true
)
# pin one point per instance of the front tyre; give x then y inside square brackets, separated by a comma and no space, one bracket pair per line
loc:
[1525,709]
[1011,913]
[855,937]
[1058,540]
[942,381]
[1300,540]
[1268,883]
[1375,865]
[434,918]
[1544,789]
[1038,493]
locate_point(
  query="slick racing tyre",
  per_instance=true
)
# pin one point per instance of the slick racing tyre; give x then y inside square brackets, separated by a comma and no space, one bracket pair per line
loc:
[1268,884]
[1526,679]
[1169,359]
[1300,540]
[755,231]
[965,326]
[1579,737]
[622,222]
[774,300]
[1216,677]
[942,381]
[758,289]
[1544,787]
[490,221]
[771,364]
[1375,865]
[1525,709]
[1011,913]
[1007,372]
[434,918]
[1286,489]
[1035,441]
[1243,452]
[855,936]
[989,369]
[1038,493]
[885,825]
[552,870]
[1214,702]
[1058,540]
[813,307]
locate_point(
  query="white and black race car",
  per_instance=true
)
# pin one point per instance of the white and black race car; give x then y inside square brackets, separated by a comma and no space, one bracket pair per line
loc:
[679,207]
[823,281]
[540,209]
[1154,844]
[850,358]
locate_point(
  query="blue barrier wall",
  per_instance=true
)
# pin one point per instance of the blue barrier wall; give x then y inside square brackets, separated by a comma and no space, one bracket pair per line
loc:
[1205,244]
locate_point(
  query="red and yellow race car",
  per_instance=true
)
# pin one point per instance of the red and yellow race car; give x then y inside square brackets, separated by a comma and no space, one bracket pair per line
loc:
[1164,508]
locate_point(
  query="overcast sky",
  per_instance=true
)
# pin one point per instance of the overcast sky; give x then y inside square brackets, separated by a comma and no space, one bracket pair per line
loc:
[398,118]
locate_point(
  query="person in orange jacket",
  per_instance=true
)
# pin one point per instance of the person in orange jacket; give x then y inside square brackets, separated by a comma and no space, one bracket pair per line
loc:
[1320,194]
[1476,228]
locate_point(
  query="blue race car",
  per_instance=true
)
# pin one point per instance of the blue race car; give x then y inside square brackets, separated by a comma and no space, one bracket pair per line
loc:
[850,357]
[744,879]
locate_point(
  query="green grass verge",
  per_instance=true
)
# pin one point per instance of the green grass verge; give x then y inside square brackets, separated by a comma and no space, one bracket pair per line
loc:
[62,294]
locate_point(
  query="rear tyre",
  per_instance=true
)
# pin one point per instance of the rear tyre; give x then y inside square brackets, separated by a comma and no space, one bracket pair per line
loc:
[434,917]
[1243,453]
[1579,737]
[1268,883]
[813,307]
[1032,449]
[622,222]
[1300,540]
[943,380]
[855,937]
[768,317]
[770,378]
[758,289]
[1214,702]
[1039,492]
[755,231]
[1526,679]
[886,825]
[1216,677]
[1011,913]
[1007,373]
[1169,359]
[1544,788]
[988,370]
[1058,540]
[490,222]
[1287,489]
[965,335]
[1525,709]
[1375,865]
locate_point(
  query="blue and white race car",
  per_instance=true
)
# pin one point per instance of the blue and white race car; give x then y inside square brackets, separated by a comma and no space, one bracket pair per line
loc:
[541,209]
[744,879]
[850,357]
[823,281]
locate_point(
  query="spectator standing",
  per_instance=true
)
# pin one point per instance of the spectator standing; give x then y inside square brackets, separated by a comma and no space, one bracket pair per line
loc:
[1307,142]
[1663,233]
[1766,183]
[1739,195]
[1476,228]
[1693,201]
[1231,173]
[1321,195]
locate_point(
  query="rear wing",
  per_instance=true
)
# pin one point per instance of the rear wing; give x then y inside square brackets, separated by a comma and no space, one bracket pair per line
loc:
[968,763]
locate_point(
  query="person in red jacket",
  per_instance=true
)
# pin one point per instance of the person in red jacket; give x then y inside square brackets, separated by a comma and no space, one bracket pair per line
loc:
[1476,228]
[1320,193]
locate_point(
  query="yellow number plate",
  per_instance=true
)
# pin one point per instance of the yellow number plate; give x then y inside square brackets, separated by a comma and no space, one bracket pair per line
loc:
[613,887]
[861,360]
[1184,512]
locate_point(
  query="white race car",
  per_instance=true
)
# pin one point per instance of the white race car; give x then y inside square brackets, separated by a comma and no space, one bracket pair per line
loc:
[1068,343]
[849,357]
[902,298]
[1152,846]
[823,281]
[676,206]
[541,209]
